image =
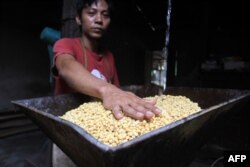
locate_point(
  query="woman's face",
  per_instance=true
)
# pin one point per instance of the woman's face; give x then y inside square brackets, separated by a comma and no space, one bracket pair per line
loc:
[95,19]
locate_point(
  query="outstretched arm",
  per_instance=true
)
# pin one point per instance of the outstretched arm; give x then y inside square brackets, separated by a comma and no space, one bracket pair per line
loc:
[118,101]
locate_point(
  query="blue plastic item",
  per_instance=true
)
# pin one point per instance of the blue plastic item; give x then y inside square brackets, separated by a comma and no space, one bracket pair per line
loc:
[50,36]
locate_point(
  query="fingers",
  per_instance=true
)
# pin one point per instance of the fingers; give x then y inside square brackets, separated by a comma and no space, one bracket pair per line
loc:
[127,110]
[151,101]
[131,112]
[140,110]
[148,107]
[125,103]
[145,111]
[117,112]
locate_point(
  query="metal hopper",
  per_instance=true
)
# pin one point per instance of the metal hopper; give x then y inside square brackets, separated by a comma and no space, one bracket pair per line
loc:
[172,145]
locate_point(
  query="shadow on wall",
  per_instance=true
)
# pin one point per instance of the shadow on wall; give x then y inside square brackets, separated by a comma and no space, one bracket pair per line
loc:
[24,66]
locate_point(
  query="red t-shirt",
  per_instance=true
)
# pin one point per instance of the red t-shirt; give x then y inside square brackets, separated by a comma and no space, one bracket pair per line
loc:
[102,67]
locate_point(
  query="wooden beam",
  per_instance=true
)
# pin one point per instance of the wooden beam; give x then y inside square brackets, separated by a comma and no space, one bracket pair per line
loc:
[69,26]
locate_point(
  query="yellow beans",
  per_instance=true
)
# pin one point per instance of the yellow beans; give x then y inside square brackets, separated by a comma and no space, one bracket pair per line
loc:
[101,124]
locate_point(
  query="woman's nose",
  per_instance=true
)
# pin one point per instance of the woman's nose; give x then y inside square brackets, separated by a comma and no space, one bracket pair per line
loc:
[98,18]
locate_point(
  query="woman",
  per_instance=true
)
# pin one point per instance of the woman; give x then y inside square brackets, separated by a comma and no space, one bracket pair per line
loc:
[83,65]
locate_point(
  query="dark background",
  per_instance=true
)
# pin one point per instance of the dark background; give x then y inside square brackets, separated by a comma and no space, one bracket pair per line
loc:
[200,30]
[210,31]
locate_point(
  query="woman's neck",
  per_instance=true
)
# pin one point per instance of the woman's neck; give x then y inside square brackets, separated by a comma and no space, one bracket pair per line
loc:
[92,44]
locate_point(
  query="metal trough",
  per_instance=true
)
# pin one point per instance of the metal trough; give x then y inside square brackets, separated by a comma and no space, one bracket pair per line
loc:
[172,145]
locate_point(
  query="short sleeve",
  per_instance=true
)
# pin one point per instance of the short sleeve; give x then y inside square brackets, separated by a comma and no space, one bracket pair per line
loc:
[62,46]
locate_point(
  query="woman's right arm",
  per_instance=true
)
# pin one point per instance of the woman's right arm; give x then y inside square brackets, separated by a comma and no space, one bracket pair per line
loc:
[118,101]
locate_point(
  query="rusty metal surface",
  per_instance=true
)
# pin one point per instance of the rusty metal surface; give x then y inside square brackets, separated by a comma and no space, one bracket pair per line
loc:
[172,145]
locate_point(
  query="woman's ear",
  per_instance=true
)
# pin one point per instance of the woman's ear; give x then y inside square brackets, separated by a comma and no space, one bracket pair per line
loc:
[78,21]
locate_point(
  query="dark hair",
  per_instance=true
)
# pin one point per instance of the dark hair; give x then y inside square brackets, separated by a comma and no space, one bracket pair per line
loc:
[81,4]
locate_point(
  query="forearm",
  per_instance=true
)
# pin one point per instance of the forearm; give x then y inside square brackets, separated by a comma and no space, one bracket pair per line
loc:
[120,102]
[78,78]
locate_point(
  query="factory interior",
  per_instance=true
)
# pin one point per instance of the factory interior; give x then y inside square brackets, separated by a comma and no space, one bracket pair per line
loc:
[165,43]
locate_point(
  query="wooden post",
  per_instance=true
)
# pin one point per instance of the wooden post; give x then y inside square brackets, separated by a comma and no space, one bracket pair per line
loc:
[69,26]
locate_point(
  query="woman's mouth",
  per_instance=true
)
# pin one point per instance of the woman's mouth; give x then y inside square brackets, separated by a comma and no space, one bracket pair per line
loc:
[97,30]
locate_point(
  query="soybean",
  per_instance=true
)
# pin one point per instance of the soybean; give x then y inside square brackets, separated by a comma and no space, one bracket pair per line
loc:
[100,122]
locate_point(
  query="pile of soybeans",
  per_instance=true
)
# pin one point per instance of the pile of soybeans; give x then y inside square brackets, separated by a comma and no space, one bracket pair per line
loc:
[101,123]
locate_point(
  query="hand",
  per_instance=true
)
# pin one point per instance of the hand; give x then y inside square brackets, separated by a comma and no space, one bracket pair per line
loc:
[126,103]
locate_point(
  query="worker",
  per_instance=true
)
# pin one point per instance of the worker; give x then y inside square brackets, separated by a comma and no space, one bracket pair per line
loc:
[84,65]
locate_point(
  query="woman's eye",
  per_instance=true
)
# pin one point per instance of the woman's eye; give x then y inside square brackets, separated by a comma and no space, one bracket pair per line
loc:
[106,14]
[91,13]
